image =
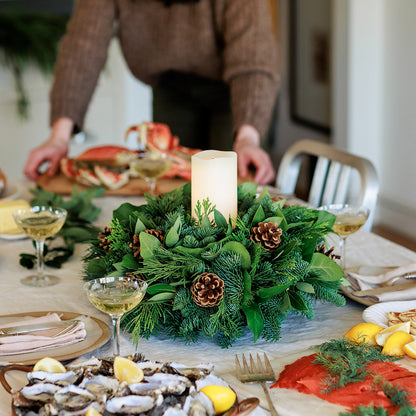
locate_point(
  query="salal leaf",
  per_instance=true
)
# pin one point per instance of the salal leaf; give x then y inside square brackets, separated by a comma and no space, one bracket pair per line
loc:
[123,213]
[282,252]
[159,288]
[266,293]
[205,223]
[255,319]
[96,267]
[283,223]
[130,262]
[77,234]
[148,245]
[220,219]
[172,237]
[323,268]
[161,297]
[305,287]
[297,301]
[285,305]
[247,190]
[259,216]
[139,226]
[238,248]
[276,220]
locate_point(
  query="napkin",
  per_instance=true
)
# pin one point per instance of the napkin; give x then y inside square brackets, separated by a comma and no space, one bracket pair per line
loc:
[387,280]
[39,340]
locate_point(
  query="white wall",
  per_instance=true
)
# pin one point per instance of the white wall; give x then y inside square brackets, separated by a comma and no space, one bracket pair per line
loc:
[119,102]
[374,98]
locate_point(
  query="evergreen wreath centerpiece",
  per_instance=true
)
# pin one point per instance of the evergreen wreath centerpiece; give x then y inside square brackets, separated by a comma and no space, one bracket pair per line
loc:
[213,277]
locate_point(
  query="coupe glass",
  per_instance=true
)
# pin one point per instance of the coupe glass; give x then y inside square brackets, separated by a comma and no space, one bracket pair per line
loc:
[115,296]
[151,165]
[349,219]
[40,223]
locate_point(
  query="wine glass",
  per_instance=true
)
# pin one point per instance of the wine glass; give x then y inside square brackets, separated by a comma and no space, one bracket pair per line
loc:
[115,296]
[151,165]
[349,219]
[40,223]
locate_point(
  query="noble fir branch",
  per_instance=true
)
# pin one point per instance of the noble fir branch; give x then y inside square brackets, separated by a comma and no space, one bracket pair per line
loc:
[273,318]
[328,292]
[144,320]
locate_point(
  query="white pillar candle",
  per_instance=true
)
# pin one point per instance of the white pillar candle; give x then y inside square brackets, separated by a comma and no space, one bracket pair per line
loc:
[214,177]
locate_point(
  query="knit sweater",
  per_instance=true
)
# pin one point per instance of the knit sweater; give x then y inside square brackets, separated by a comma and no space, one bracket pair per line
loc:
[229,40]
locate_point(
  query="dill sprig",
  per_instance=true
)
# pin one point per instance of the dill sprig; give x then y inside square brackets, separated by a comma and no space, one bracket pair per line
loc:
[346,361]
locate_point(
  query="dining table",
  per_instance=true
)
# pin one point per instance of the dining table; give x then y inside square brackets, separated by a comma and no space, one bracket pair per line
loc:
[299,335]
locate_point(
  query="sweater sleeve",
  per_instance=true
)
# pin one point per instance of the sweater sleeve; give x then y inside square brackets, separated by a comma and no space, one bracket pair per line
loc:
[81,57]
[250,62]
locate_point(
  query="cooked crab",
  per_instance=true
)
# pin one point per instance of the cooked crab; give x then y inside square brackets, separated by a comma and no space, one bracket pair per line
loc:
[109,165]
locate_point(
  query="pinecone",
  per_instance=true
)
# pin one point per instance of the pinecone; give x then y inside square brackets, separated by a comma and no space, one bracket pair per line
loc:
[207,290]
[135,244]
[267,234]
[322,249]
[103,237]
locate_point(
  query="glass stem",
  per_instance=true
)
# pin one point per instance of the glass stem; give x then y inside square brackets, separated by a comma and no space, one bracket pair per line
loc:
[40,244]
[342,250]
[116,333]
[152,186]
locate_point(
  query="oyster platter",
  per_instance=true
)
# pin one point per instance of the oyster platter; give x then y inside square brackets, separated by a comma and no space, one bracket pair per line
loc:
[95,387]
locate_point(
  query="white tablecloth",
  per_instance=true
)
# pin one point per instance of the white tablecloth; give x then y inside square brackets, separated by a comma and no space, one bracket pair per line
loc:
[298,334]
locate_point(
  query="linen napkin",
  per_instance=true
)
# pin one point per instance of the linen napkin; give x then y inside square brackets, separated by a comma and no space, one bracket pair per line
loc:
[388,280]
[39,340]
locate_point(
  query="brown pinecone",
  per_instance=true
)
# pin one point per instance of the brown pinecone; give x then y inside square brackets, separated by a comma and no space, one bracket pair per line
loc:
[267,234]
[135,244]
[103,237]
[207,290]
[322,249]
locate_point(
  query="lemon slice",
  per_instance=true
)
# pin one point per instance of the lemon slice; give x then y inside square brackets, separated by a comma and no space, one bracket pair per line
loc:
[395,343]
[222,397]
[363,333]
[410,349]
[50,365]
[92,412]
[127,370]
[385,333]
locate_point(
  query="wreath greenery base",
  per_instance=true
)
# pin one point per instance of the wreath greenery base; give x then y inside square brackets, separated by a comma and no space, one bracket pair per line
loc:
[260,287]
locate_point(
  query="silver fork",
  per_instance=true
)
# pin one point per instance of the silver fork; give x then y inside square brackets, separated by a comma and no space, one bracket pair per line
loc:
[67,329]
[250,373]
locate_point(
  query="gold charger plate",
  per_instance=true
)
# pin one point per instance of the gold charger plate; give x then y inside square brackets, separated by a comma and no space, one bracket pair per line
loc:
[98,333]
[367,301]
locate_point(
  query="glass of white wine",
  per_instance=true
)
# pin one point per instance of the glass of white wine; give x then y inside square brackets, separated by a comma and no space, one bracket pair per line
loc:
[115,296]
[40,223]
[349,219]
[150,166]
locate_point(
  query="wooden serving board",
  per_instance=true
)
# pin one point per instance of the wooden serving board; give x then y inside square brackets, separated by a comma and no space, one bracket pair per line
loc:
[60,184]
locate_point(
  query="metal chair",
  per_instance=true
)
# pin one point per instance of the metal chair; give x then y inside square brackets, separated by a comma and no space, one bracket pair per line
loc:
[331,180]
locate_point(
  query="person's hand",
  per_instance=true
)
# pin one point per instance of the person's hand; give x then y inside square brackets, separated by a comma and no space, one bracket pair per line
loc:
[51,151]
[249,153]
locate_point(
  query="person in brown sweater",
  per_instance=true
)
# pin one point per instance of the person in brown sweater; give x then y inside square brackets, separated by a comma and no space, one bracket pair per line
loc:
[226,43]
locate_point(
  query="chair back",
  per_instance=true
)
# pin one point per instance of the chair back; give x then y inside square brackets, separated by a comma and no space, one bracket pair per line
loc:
[331,180]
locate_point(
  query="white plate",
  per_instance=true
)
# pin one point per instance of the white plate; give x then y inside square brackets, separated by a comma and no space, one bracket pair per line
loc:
[13,236]
[12,191]
[377,314]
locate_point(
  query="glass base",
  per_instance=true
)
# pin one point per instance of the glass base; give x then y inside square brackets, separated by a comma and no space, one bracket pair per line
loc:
[40,281]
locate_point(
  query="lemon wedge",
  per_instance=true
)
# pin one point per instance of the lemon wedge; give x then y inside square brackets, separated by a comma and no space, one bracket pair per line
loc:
[50,365]
[127,370]
[410,349]
[363,333]
[92,412]
[385,333]
[395,343]
[222,397]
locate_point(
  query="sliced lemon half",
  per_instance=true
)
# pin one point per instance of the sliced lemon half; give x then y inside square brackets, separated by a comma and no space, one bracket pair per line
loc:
[364,332]
[385,333]
[222,397]
[92,412]
[396,342]
[50,365]
[127,370]
[410,349]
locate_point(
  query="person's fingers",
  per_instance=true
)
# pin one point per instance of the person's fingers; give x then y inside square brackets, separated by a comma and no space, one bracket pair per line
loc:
[242,164]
